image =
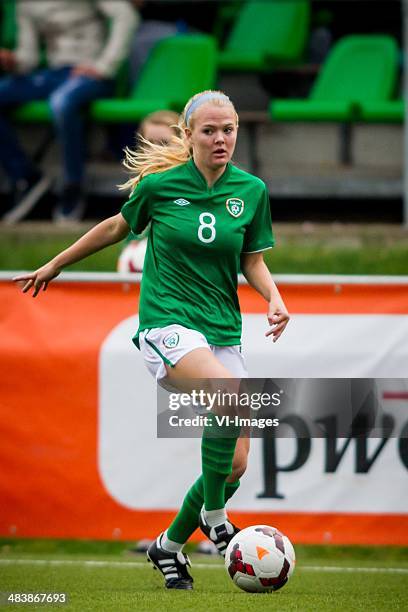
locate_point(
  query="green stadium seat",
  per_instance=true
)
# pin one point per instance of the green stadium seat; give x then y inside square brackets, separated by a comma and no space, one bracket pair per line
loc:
[266,33]
[8,24]
[225,16]
[388,111]
[360,70]
[177,68]
[33,112]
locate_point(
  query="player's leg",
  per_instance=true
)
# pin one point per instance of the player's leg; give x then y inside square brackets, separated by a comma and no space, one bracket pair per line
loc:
[200,365]
[167,548]
[231,358]
[187,519]
[239,462]
[218,451]
[161,349]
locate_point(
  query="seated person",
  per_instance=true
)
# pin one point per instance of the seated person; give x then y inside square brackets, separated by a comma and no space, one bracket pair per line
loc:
[82,61]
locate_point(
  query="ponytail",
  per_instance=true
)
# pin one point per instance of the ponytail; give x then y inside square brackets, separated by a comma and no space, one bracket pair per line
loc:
[150,158]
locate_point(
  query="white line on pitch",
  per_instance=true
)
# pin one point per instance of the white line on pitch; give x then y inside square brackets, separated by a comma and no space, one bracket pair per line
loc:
[140,564]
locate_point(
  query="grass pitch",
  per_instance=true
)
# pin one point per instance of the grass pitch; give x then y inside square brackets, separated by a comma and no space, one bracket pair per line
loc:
[103,577]
[301,248]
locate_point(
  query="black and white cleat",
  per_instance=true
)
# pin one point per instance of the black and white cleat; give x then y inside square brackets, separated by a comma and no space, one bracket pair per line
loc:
[221,535]
[173,566]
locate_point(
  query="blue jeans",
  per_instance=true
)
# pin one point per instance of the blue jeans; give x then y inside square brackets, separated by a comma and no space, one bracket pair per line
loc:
[66,96]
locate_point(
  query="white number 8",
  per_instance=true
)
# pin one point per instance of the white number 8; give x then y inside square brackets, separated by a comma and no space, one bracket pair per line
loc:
[209,224]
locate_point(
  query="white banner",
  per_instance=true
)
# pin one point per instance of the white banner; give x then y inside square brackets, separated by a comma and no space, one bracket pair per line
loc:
[140,471]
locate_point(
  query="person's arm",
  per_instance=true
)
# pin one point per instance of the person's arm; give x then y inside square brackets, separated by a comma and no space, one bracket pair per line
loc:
[27,53]
[258,276]
[107,232]
[124,21]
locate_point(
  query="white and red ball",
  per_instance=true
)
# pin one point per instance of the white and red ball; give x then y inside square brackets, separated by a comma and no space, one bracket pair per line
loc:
[260,559]
[132,257]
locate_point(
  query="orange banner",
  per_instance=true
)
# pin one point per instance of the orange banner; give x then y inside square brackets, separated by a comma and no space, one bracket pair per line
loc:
[50,484]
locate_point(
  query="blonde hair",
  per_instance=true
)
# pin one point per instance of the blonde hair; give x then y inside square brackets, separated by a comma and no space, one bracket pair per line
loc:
[151,158]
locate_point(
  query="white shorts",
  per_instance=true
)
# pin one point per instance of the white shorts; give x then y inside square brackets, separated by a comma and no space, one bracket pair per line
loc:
[163,346]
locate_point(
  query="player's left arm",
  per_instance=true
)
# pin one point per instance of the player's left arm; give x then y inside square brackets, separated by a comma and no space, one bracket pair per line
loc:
[258,276]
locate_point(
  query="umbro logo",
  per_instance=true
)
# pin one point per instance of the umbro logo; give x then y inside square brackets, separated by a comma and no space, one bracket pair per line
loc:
[182,202]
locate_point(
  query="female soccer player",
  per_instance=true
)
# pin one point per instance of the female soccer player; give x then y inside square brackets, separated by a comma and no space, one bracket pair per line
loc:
[207,218]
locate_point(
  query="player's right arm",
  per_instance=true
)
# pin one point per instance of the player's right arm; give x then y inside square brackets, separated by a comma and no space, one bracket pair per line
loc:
[107,232]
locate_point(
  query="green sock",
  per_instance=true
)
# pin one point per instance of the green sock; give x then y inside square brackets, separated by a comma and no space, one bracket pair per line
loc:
[186,521]
[217,453]
[230,488]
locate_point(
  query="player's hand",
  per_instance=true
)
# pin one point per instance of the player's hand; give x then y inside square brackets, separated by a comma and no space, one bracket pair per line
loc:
[38,279]
[86,70]
[8,60]
[278,319]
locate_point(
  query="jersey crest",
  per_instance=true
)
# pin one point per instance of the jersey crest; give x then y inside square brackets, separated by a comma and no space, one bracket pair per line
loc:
[235,206]
[171,340]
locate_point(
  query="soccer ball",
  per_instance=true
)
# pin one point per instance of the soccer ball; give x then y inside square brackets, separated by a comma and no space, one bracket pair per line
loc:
[132,257]
[260,559]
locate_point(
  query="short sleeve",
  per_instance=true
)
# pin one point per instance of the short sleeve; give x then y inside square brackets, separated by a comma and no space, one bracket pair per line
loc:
[131,236]
[137,210]
[259,234]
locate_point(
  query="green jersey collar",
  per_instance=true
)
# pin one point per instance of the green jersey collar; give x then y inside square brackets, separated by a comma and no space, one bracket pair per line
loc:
[197,174]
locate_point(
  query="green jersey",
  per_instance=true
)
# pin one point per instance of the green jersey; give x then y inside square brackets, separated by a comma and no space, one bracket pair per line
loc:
[196,237]
[131,236]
